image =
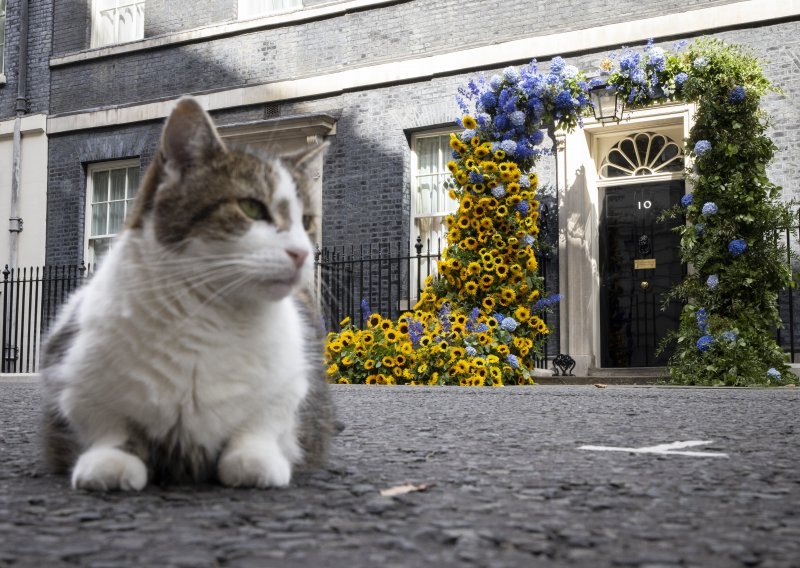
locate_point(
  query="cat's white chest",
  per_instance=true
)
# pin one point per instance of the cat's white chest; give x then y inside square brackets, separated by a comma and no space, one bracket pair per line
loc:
[199,382]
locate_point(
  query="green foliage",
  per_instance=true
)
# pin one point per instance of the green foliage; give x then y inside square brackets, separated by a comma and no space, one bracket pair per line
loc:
[738,291]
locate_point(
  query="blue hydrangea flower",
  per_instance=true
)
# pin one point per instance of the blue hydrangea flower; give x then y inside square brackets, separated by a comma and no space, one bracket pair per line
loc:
[557,65]
[701,316]
[528,241]
[509,324]
[712,281]
[537,137]
[524,182]
[511,74]
[509,147]
[569,72]
[471,351]
[681,78]
[482,328]
[705,343]
[513,361]
[563,100]
[501,122]
[523,207]
[700,229]
[467,135]
[729,336]
[774,373]
[702,147]
[639,77]
[544,302]
[499,191]
[517,118]
[488,100]
[498,316]
[710,208]
[737,94]
[495,82]
[475,177]
[700,63]
[737,246]
[484,119]
[687,199]
[656,58]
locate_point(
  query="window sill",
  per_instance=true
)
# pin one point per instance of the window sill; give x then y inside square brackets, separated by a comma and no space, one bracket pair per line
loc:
[2,79]
[330,10]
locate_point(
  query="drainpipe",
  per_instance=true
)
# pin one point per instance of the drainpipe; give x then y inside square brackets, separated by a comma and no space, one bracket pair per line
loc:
[15,223]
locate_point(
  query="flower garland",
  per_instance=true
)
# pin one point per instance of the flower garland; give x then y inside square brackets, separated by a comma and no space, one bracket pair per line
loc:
[479,321]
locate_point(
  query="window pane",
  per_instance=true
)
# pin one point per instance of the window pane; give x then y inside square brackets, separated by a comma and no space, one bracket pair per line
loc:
[99,248]
[99,215]
[117,184]
[427,155]
[116,216]
[100,183]
[133,182]
[2,32]
[425,195]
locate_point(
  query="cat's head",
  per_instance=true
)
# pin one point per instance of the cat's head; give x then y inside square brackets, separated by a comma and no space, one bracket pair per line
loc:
[217,206]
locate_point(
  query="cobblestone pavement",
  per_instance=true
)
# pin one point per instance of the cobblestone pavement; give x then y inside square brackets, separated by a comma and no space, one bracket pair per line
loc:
[511,487]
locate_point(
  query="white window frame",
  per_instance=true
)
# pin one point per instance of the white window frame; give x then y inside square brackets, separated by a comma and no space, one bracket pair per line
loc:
[89,255]
[247,9]
[445,156]
[2,41]
[100,6]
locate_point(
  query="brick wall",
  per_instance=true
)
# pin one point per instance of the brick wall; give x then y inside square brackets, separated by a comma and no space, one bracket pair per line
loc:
[403,30]
[40,16]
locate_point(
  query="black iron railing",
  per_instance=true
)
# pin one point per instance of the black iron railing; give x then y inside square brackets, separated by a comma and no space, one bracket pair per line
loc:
[386,278]
[31,298]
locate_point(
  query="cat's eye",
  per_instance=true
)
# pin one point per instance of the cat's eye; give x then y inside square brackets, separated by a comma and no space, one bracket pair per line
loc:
[254,209]
[308,222]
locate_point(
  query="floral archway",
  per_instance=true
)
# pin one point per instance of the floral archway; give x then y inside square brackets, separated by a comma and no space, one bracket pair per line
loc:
[479,322]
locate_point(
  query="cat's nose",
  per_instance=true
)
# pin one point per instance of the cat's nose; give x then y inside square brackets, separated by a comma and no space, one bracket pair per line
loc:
[297,256]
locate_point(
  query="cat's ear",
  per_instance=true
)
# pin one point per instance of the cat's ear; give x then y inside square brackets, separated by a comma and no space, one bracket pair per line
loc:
[190,136]
[303,158]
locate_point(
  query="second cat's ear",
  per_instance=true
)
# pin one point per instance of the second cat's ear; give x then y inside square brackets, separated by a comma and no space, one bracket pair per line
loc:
[190,136]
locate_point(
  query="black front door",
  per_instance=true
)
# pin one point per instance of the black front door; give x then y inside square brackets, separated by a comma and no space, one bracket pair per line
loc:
[639,262]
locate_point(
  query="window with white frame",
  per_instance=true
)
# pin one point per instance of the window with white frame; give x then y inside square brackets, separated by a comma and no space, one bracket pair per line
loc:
[2,35]
[117,21]
[255,8]
[110,194]
[430,202]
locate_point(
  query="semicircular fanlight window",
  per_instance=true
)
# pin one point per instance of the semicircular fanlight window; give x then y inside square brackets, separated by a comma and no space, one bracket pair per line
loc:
[642,154]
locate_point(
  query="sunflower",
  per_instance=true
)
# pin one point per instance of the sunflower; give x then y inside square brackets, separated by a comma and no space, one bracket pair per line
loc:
[508,295]
[486,281]
[452,166]
[374,320]
[522,313]
[463,222]
[498,155]
[469,122]
[391,336]
[369,364]
[367,339]
[388,361]
[371,380]
[343,381]
[335,346]
[532,264]
[489,168]
[501,270]
[488,303]
[333,369]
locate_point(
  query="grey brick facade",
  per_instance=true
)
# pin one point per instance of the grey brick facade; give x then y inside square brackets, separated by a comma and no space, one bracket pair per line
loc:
[367,177]
[39,38]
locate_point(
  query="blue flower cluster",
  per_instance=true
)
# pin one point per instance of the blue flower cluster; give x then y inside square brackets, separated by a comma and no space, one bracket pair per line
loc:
[509,324]
[737,94]
[365,311]
[710,208]
[415,331]
[712,281]
[545,302]
[774,373]
[737,246]
[513,361]
[512,107]
[646,73]
[701,316]
[687,199]
[705,343]
[701,147]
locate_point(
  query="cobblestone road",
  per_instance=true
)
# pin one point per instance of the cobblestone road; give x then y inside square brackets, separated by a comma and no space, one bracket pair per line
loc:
[511,487]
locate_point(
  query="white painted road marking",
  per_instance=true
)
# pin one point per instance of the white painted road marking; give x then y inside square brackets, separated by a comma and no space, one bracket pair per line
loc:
[662,449]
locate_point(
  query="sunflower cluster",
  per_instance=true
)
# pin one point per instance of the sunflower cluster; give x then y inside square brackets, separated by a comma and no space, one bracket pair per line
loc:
[479,320]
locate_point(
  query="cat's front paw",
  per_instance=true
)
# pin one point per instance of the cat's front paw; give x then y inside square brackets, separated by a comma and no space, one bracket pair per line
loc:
[104,469]
[254,467]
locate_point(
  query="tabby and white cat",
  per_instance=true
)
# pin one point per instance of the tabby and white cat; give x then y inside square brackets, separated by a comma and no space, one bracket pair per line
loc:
[191,355]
